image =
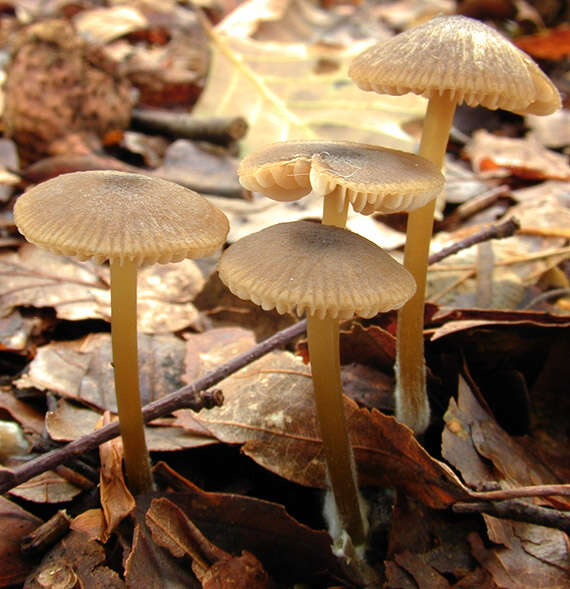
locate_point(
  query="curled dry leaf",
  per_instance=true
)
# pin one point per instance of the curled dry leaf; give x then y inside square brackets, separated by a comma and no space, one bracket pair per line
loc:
[116,499]
[80,290]
[15,524]
[48,487]
[525,158]
[289,550]
[75,561]
[527,555]
[214,567]
[269,408]
[82,369]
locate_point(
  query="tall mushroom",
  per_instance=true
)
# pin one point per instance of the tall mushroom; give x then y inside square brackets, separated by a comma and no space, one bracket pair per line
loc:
[328,273]
[449,60]
[370,178]
[129,220]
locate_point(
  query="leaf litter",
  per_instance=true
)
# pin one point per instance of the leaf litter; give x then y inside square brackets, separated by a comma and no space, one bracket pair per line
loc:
[497,374]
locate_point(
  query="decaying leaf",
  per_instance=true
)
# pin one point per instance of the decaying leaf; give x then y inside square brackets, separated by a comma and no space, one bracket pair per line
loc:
[277,87]
[526,555]
[80,290]
[116,499]
[213,567]
[268,407]
[82,369]
[48,487]
[75,560]
[289,550]
[15,524]
[526,158]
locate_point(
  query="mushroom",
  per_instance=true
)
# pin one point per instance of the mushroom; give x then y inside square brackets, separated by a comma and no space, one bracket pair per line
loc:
[371,178]
[129,220]
[328,273]
[449,60]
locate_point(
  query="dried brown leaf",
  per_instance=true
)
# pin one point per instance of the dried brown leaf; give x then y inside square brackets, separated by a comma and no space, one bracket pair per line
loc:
[80,290]
[75,560]
[15,524]
[289,550]
[150,565]
[116,499]
[526,555]
[82,370]
[91,523]
[214,567]
[269,408]
[48,487]
[525,158]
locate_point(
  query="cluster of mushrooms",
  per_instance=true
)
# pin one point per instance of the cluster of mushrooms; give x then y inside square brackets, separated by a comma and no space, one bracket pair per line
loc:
[323,271]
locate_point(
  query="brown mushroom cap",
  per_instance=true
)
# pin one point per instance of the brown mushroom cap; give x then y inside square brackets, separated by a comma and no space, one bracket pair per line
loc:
[320,270]
[464,57]
[372,178]
[120,216]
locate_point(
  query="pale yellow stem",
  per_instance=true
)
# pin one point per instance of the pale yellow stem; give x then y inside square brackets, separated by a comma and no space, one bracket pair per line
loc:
[331,214]
[125,360]
[412,405]
[323,341]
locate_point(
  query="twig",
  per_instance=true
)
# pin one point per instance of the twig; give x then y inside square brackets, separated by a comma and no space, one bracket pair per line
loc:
[222,130]
[530,491]
[499,231]
[195,396]
[519,511]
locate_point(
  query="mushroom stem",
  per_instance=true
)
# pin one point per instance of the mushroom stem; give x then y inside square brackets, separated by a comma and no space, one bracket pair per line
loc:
[331,213]
[323,341]
[124,340]
[412,405]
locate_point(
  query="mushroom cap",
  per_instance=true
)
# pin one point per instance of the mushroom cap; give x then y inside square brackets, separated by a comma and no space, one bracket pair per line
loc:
[372,178]
[461,56]
[120,216]
[320,270]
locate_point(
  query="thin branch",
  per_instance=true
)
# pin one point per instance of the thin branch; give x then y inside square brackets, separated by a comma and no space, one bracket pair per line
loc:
[530,491]
[498,231]
[519,511]
[195,396]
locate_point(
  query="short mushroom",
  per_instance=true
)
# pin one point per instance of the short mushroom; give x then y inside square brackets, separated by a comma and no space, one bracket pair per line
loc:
[449,60]
[327,273]
[372,179]
[129,220]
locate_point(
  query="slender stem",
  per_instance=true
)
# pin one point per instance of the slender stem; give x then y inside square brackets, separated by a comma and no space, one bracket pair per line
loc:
[331,214]
[323,341]
[412,406]
[125,359]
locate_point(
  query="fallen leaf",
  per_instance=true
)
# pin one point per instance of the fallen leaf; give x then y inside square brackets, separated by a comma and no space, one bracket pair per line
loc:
[526,555]
[80,290]
[150,565]
[75,560]
[15,523]
[48,487]
[70,422]
[209,173]
[214,567]
[492,156]
[274,86]
[549,44]
[116,499]
[90,522]
[26,415]
[289,550]
[82,369]
[269,408]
